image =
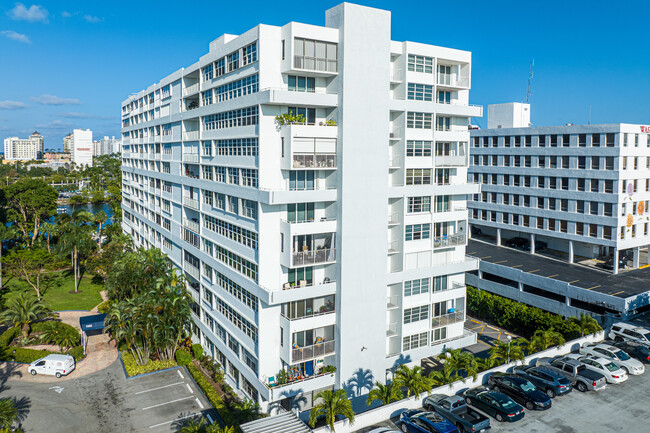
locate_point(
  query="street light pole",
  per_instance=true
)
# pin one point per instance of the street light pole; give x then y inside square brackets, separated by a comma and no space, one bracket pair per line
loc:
[509,340]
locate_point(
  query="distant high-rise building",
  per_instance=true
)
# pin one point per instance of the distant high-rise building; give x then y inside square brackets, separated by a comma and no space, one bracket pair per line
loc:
[81,147]
[24,149]
[66,143]
[107,146]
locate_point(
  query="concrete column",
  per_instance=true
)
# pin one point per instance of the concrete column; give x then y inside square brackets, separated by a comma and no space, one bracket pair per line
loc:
[570,251]
[499,237]
[521,286]
[635,258]
[532,244]
[615,261]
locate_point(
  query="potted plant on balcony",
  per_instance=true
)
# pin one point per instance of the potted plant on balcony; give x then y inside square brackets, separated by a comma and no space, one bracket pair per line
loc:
[289,119]
[330,122]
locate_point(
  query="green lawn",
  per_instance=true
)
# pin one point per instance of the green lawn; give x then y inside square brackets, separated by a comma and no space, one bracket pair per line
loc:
[56,294]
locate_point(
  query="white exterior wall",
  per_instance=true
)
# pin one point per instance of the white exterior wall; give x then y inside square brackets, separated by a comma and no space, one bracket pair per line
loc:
[24,149]
[81,147]
[353,201]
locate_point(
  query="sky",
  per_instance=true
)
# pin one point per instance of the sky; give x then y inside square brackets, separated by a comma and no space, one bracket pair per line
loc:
[70,64]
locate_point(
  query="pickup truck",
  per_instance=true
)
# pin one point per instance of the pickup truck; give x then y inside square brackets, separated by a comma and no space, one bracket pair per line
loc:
[582,378]
[455,410]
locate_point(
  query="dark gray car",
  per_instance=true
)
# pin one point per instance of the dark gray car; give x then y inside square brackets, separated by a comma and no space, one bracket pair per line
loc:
[545,379]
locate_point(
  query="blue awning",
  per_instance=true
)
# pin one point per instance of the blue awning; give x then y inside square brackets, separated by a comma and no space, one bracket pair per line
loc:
[92,323]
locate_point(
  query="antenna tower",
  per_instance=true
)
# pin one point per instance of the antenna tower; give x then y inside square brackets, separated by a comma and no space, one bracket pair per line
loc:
[530,78]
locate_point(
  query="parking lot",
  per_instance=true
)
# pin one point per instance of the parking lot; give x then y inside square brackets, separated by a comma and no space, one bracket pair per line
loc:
[618,408]
[108,402]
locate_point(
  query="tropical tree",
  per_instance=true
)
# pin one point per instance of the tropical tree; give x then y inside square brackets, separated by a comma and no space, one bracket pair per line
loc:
[100,218]
[136,272]
[412,379]
[28,264]
[332,405]
[24,310]
[6,234]
[77,242]
[463,363]
[216,428]
[507,351]
[486,363]
[193,425]
[587,324]
[247,410]
[30,202]
[384,393]
[8,413]
[49,230]
[444,376]
[543,339]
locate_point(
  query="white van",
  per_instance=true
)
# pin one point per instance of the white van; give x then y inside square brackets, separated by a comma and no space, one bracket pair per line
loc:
[57,365]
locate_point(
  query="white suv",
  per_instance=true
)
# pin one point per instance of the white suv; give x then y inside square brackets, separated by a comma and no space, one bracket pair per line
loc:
[627,332]
[614,354]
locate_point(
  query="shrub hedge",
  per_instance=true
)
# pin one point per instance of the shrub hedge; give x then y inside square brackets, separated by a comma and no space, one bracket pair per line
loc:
[7,337]
[133,369]
[183,357]
[516,317]
[20,354]
[41,326]
[197,351]
[212,395]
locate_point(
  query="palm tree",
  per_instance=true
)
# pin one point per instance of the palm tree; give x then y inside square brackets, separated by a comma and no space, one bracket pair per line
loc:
[248,410]
[507,351]
[8,413]
[68,338]
[460,361]
[332,405]
[100,218]
[384,393]
[194,425]
[587,324]
[412,379]
[543,339]
[48,229]
[445,376]
[216,428]
[23,310]
[486,363]
[77,242]
[6,233]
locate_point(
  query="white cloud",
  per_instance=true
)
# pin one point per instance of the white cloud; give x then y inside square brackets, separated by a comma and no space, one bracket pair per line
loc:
[92,19]
[76,115]
[66,14]
[55,124]
[12,105]
[55,100]
[32,14]
[15,36]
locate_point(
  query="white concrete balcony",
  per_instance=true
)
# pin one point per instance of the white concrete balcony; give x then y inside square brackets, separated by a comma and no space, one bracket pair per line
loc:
[450,161]
[452,80]
[448,319]
[279,96]
[192,225]
[190,136]
[458,109]
[191,203]
[313,257]
[191,157]
[191,90]
[312,161]
[318,350]
[449,240]
[299,386]
[192,270]
[318,225]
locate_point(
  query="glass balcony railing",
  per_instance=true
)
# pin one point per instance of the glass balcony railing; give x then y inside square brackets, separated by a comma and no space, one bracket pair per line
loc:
[449,240]
[324,255]
[448,319]
[314,351]
[314,161]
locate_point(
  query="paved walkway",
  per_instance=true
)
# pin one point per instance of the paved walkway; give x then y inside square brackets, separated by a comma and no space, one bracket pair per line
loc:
[101,353]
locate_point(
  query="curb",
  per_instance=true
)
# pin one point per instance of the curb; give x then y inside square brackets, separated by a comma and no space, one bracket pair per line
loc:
[143,374]
[213,409]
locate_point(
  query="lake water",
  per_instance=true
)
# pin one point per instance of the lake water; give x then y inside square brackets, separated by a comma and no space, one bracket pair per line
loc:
[92,208]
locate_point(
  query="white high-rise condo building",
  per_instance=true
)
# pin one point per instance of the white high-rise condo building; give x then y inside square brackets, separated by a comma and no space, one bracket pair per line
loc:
[107,146]
[81,147]
[311,182]
[24,149]
[580,189]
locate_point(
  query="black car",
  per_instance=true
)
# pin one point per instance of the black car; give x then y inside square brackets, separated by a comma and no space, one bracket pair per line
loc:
[638,351]
[539,246]
[609,263]
[517,242]
[494,403]
[476,231]
[520,390]
[545,380]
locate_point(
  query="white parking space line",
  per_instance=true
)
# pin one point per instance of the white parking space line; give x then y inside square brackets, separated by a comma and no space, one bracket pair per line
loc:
[199,403]
[169,402]
[209,418]
[189,388]
[174,420]
[180,374]
[160,387]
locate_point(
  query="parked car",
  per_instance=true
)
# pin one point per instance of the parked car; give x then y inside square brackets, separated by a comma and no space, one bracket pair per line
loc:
[612,372]
[420,421]
[495,404]
[545,379]
[53,364]
[614,354]
[581,378]
[539,246]
[622,331]
[383,430]
[520,390]
[638,351]
[517,242]
[476,230]
[609,263]
[455,410]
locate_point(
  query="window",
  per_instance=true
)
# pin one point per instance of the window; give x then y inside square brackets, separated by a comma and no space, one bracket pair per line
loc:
[208,72]
[233,176]
[249,54]
[221,67]
[418,231]
[595,140]
[418,148]
[206,97]
[414,341]
[419,204]
[315,55]
[418,176]
[309,114]
[302,84]
[416,314]
[231,119]
[443,124]
[419,120]
[440,283]
[444,97]
[301,180]
[420,64]
[249,209]
[236,89]
[233,61]
[237,147]
[249,177]
[243,295]
[236,262]
[416,287]
[420,92]
[438,334]
[238,234]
